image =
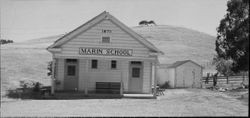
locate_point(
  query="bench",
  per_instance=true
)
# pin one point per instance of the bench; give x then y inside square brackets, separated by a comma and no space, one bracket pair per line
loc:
[108,87]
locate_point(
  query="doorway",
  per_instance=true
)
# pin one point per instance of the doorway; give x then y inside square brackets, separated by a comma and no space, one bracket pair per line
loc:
[135,77]
[71,75]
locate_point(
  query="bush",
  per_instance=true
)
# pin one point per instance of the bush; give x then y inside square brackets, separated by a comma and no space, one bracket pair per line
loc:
[29,90]
[37,87]
[27,84]
[165,85]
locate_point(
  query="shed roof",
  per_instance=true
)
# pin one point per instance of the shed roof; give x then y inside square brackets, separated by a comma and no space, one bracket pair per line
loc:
[179,63]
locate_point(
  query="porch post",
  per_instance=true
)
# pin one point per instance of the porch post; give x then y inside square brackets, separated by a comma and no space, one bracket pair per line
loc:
[121,89]
[154,64]
[53,77]
[86,79]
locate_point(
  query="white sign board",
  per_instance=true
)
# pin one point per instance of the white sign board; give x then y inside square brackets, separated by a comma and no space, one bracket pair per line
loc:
[105,51]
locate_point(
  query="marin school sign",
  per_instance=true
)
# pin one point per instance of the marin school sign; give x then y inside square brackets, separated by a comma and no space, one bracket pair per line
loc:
[106,51]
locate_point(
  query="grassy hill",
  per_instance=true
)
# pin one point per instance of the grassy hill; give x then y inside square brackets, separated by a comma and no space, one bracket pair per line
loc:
[28,60]
[179,43]
[25,61]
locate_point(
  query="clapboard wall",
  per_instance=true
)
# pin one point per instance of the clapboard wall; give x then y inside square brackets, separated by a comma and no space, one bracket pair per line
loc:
[88,76]
[93,36]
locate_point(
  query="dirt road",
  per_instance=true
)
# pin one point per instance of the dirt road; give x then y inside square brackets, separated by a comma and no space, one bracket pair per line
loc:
[175,102]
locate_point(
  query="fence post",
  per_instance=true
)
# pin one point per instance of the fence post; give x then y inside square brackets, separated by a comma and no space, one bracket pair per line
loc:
[227,80]
[243,77]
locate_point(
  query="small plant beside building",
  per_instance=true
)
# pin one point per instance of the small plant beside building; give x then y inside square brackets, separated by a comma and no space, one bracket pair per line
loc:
[28,90]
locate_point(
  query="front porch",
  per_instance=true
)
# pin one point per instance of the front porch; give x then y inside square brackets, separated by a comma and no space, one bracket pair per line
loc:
[95,95]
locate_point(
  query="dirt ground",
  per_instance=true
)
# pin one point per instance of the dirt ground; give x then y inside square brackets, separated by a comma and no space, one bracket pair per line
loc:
[175,102]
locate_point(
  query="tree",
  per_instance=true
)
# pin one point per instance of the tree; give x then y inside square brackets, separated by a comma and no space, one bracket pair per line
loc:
[151,22]
[143,22]
[232,41]
[5,41]
[223,66]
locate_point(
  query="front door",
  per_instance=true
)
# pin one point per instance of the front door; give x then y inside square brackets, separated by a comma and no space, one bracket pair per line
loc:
[135,77]
[71,74]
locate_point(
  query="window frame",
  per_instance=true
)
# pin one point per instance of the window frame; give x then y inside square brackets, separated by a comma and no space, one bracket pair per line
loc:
[92,66]
[68,70]
[111,64]
[106,42]
[138,75]
[71,61]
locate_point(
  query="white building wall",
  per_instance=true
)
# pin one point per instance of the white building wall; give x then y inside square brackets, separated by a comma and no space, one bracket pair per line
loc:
[146,88]
[82,76]
[125,74]
[92,38]
[165,74]
[59,73]
[185,76]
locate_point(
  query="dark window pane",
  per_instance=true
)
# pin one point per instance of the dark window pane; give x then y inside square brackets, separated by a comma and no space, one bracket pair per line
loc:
[94,64]
[71,70]
[71,60]
[106,39]
[113,64]
[135,72]
[136,62]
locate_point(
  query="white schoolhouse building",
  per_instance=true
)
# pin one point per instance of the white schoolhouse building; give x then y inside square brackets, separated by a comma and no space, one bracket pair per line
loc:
[104,55]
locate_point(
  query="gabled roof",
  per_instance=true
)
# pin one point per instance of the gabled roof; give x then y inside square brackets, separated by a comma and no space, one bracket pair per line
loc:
[178,63]
[104,15]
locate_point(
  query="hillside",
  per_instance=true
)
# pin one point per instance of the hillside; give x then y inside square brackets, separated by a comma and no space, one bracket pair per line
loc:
[28,60]
[179,43]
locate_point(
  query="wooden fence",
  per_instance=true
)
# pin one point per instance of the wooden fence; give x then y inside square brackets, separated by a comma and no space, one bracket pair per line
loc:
[233,81]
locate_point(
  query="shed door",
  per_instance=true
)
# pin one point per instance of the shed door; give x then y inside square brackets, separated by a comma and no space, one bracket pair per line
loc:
[135,79]
[71,74]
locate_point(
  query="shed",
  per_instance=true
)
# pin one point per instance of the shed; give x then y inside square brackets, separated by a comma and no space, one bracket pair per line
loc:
[181,74]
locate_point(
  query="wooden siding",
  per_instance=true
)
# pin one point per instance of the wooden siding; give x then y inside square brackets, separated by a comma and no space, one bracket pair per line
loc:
[92,38]
[103,73]
[184,77]
[82,69]
[60,73]
[164,75]
[146,87]
[180,76]
[125,74]
[171,76]
[119,39]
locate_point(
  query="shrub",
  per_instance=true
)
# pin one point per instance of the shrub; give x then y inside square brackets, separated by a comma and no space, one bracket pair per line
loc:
[30,89]
[49,68]
[37,87]
[165,85]
[27,84]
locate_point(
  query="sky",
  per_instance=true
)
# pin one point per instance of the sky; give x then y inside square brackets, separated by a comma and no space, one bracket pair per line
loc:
[30,19]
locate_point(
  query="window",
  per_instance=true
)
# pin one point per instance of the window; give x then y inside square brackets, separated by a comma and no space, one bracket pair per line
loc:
[94,64]
[135,72]
[71,60]
[113,64]
[136,62]
[106,39]
[71,70]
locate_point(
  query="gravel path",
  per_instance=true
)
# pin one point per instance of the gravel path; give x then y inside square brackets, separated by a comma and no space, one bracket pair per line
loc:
[175,102]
